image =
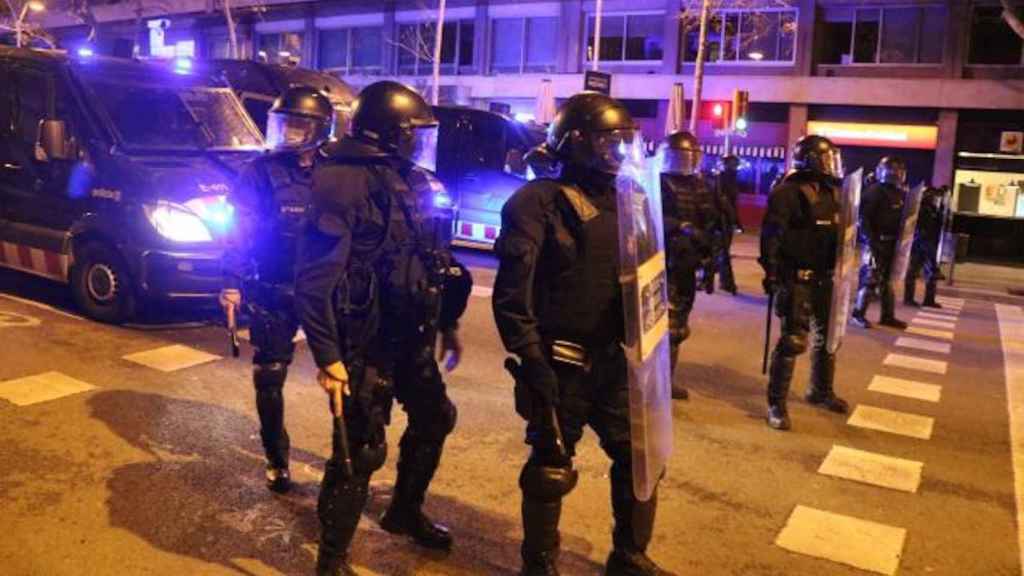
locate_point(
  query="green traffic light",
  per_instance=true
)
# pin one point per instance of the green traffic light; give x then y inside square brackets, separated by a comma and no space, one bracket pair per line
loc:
[741,123]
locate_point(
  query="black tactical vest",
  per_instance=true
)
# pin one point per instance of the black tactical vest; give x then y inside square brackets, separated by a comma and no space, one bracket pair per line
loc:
[286,203]
[812,240]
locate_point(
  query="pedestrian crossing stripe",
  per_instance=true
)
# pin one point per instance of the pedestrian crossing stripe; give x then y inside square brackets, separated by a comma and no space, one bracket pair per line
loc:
[872,468]
[171,358]
[41,388]
[906,388]
[483,291]
[931,332]
[892,421]
[924,344]
[915,363]
[34,261]
[933,323]
[843,539]
[938,316]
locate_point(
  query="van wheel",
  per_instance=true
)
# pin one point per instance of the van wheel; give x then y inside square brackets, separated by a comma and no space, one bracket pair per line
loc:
[101,285]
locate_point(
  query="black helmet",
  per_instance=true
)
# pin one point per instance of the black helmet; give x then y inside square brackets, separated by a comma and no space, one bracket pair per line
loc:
[592,130]
[817,155]
[396,119]
[681,154]
[300,119]
[892,170]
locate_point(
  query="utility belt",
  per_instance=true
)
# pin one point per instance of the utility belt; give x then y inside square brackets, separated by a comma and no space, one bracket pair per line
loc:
[580,355]
[268,294]
[810,276]
[887,237]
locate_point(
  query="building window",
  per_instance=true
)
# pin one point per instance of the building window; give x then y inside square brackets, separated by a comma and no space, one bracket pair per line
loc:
[352,50]
[284,46]
[901,35]
[628,37]
[416,48]
[524,45]
[993,42]
[742,36]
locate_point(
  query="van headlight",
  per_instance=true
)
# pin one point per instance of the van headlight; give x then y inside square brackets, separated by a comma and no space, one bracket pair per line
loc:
[177,223]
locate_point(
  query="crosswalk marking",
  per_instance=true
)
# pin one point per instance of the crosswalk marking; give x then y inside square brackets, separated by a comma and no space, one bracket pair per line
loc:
[931,332]
[891,421]
[1011,335]
[918,321]
[41,388]
[952,317]
[171,358]
[915,363]
[906,388]
[483,291]
[923,344]
[844,539]
[952,300]
[872,468]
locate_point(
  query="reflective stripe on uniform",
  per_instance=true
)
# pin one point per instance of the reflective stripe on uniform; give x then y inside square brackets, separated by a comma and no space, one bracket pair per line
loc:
[34,261]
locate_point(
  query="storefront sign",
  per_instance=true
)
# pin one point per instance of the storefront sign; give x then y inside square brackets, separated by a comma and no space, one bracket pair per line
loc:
[1011,142]
[880,135]
[597,82]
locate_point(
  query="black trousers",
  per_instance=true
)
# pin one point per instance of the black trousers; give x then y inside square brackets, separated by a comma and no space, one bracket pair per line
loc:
[922,262]
[805,309]
[272,329]
[876,279]
[682,293]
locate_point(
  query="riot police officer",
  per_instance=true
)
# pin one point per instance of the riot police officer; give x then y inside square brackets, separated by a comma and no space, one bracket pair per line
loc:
[271,198]
[881,219]
[799,244]
[375,287]
[925,251]
[724,196]
[690,221]
[558,307]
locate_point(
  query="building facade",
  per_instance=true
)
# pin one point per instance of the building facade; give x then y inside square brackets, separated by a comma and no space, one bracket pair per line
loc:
[940,83]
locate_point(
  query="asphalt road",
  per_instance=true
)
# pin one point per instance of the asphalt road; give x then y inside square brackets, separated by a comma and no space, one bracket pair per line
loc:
[128,469]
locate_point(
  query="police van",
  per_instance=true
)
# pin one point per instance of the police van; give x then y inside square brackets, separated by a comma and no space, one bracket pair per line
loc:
[114,175]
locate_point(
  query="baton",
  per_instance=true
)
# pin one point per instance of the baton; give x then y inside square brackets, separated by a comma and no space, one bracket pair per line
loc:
[768,332]
[340,436]
[516,370]
[232,331]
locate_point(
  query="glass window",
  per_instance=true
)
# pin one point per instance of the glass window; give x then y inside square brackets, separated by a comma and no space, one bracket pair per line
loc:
[759,38]
[333,49]
[933,35]
[613,28]
[743,36]
[467,39]
[278,47]
[541,44]
[730,42]
[367,49]
[33,94]
[865,36]
[507,44]
[899,35]
[408,48]
[992,39]
[644,37]
[416,47]
[787,36]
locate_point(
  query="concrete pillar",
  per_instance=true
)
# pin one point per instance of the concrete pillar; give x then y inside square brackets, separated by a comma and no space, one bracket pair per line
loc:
[311,45]
[481,39]
[797,128]
[673,24]
[945,152]
[390,64]
[569,49]
[805,38]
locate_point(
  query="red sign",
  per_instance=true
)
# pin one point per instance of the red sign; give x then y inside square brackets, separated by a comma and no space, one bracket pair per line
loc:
[879,135]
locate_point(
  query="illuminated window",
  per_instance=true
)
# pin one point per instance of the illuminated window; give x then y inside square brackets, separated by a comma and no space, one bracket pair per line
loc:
[747,36]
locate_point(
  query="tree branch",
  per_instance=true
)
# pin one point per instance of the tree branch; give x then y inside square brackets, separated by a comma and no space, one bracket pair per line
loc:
[1012,18]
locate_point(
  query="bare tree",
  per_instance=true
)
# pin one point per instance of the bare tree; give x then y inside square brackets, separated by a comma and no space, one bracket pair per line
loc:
[413,42]
[1012,15]
[12,20]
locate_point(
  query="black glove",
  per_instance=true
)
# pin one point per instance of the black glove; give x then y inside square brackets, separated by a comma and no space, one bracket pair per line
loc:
[539,375]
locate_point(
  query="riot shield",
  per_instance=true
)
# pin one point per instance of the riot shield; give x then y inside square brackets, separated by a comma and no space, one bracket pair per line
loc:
[844,277]
[645,302]
[901,260]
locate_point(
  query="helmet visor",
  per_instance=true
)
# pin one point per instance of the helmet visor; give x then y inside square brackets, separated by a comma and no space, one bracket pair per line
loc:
[832,163]
[291,132]
[612,147]
[419,146]
[896,175]
[342,122]
[684,162]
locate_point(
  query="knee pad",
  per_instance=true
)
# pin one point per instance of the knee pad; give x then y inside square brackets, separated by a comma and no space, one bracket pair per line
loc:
[449,416]
[794,344]
[547,483]
[370,457]
[268,376]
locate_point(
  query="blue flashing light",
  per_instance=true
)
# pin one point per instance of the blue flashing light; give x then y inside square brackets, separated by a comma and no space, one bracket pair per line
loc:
[442,200]
[182,66]
[524,117]
[85,52]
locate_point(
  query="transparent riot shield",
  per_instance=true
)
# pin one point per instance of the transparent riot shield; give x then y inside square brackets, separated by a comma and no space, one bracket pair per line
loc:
[844,277]
[901,260]
[645,301]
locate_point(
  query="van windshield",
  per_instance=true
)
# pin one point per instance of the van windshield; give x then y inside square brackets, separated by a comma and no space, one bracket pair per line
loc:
[174,117]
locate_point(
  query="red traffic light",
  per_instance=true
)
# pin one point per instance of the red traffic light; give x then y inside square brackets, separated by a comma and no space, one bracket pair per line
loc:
[718,110]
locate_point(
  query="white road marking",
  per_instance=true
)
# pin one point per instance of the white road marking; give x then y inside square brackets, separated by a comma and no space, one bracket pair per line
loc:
[922,344]
[843,539]
[918,321]
[915,363]
[41,388]
[1011,334]
[931,332]
[951,300]
[40,306]
[891,421]
[872,468]
[15,320]
[171,358]
[906,388]
[483,291]
[945,317]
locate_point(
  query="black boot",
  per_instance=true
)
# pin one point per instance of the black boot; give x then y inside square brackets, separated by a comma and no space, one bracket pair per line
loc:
[893,322]
[779,377]
[417,462]
[540,536]
[860,309]
[821,394]
[679,392]
[929,296]
[909,287]
[889,309]
[268,379]
[339,507]
[634,526]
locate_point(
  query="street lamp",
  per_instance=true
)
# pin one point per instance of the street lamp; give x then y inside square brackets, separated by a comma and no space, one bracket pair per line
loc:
[34,6]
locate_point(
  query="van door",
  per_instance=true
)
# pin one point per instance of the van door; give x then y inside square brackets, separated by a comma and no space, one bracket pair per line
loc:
[39,208]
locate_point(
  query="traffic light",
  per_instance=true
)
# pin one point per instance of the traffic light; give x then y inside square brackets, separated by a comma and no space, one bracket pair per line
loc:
[717,112]
[740,110]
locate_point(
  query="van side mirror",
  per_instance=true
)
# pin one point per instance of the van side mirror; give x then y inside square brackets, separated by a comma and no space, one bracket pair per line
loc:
[53,142]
